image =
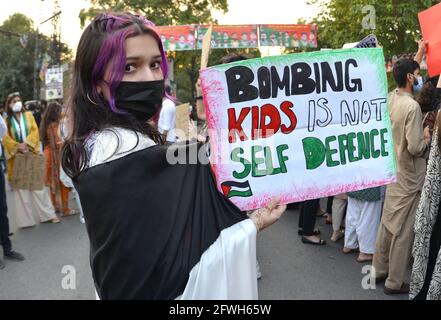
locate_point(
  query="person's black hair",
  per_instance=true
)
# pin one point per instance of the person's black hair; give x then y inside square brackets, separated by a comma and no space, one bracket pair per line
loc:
[232,57]
[416,64]
[401,69]
[432,80]
[50,115]
[427,97]
[31,106]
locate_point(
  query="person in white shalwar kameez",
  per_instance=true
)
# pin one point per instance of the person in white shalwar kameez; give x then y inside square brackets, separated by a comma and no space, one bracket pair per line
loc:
[362,221]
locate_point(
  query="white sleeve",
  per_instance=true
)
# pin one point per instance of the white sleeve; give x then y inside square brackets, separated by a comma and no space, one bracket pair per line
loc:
[229,265]
[3,127]
[166,118]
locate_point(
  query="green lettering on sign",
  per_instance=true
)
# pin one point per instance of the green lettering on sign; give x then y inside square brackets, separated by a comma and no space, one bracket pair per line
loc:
[329,152]
[384,153]
[364,149]
[314,151]
[236,157]
[375,152]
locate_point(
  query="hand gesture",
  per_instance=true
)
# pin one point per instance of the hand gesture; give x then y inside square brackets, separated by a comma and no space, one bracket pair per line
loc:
[265,217]
[422,45]
[22,148]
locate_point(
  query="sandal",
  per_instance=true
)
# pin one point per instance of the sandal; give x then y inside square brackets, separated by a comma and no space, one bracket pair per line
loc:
[339,236]
[70,213]
[367,259]
[316,232]
[320,213]
[307,241]
[349,250]
[55,220]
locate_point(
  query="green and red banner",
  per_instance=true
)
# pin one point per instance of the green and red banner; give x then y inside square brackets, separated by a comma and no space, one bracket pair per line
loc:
[177,38]
[289,36]
[231,36]
[189,37]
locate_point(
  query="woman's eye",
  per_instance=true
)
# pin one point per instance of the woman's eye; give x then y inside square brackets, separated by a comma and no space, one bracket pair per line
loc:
[156,65]
[130,67]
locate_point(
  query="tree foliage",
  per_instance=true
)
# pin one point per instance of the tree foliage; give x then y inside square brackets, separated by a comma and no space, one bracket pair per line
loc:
[396,22]
[161,12]
[17,61]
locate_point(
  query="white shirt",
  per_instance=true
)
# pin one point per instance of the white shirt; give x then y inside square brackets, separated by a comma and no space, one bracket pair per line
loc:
[3,130]
[167,119]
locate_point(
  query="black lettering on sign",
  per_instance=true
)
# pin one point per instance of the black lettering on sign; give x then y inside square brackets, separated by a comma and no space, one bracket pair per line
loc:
[239,81]
[301,81]
[328,77]
[280,84]
[264,80]
[356,82]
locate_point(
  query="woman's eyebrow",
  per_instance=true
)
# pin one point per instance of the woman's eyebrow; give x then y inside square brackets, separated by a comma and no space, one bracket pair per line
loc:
[134,58]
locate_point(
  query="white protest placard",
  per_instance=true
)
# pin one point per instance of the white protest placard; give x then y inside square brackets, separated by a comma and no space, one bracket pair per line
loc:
[300,126]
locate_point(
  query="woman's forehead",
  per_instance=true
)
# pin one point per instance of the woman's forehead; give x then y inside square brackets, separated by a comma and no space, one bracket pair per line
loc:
[142,46]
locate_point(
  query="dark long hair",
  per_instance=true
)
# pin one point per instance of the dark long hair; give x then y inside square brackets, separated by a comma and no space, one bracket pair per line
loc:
[8,109]
[50,115]
[102,45]
[426,97]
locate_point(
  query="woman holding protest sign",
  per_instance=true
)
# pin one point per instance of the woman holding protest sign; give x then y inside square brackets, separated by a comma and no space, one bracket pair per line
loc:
[22,138]
[157,230]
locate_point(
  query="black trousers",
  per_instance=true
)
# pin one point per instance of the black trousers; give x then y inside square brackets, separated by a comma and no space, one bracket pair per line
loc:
[329,205]
[4,222]
[308,215]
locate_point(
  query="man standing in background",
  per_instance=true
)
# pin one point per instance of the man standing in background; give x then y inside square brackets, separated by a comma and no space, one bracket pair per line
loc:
[395,234]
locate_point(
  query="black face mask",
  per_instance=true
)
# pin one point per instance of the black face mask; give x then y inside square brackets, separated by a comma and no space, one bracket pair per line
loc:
[142,99]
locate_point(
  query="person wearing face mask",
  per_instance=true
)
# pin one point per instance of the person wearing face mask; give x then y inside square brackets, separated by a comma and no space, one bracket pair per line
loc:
[157,229]
[23,137]
[411,142]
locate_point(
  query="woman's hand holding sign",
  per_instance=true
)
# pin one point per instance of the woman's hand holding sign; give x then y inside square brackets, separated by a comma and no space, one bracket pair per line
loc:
[265,217]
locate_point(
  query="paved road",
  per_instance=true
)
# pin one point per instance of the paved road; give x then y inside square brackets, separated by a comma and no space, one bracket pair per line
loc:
[291,270]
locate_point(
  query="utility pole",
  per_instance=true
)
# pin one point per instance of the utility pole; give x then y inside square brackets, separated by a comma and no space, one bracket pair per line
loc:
[56,35]
[35,66]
